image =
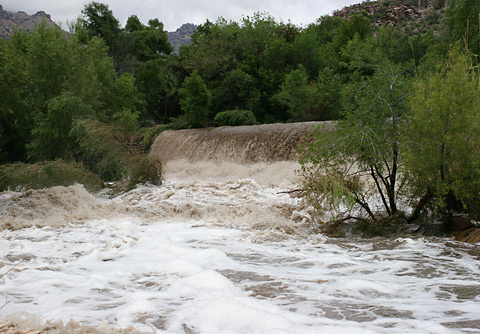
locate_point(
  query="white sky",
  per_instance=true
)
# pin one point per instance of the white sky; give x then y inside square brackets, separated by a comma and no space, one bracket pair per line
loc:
[175,13]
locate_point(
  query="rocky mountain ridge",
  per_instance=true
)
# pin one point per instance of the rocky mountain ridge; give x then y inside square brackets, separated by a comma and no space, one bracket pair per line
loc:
[20,20]
[181,36]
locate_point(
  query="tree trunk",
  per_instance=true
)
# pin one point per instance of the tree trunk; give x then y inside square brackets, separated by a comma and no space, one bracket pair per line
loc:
[420,206]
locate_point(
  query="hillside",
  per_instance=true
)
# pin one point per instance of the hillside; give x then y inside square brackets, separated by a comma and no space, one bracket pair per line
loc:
[412,16]
[21,20]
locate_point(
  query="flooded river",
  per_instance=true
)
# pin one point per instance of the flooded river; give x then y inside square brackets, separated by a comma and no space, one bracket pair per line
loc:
[221,248]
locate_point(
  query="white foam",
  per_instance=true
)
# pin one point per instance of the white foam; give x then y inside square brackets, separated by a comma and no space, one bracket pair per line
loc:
[197,256]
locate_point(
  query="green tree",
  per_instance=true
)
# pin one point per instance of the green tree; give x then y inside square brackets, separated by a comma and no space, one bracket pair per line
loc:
[309,100]
[159,82]
[36,67]
[195,101]
[307,50]
[146,42]
[68,81]
[257,51]
[51,137]
[213,51]
[296,94]
[238,90]
[359,158]
[54,79]
[133,24]
[15,113]
[358,25]
[235,118]
[99,21]
[442,145]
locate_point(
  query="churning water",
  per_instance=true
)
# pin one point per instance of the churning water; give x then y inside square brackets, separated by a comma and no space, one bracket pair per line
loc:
[220,248]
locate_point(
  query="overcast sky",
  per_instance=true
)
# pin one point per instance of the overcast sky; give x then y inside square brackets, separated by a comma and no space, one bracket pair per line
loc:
[175,13]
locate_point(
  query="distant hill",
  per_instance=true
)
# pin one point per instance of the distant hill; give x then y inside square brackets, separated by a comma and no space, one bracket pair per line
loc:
[181,36]
[412,16]
[21,20]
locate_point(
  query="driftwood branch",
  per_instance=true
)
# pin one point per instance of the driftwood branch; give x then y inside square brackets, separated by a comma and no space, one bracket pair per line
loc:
[291,191]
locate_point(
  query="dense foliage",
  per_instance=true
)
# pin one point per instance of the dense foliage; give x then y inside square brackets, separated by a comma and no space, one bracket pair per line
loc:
[395,99]
[51,81]
[235,118]
[195,101]
[444,125]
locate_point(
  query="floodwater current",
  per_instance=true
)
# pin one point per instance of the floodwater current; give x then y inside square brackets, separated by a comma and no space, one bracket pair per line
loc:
[220,248]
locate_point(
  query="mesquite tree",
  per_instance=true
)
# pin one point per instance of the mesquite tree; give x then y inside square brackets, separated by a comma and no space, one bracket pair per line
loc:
[359,157]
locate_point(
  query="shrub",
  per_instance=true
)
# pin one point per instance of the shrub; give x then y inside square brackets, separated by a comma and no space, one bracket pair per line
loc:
[235,117]
[104,150]
[21,176]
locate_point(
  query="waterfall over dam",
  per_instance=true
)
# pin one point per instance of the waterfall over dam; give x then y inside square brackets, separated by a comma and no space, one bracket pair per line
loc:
[241,144]
[224,245]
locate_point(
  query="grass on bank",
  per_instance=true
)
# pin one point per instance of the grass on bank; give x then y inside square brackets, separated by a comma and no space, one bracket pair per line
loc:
[20,176]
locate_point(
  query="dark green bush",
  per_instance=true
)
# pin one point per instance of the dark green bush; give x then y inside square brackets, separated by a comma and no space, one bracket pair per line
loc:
[235,117]
[21,176]
[106,153]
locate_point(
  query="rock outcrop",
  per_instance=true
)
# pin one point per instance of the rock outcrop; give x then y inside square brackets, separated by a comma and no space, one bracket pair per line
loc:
[413,16]
[21,20]
[181,36]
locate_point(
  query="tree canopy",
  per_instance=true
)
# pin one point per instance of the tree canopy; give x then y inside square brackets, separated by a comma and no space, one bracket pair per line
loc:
[391,98]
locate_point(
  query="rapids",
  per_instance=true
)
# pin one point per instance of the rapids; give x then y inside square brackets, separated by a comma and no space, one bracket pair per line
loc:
[220,247]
